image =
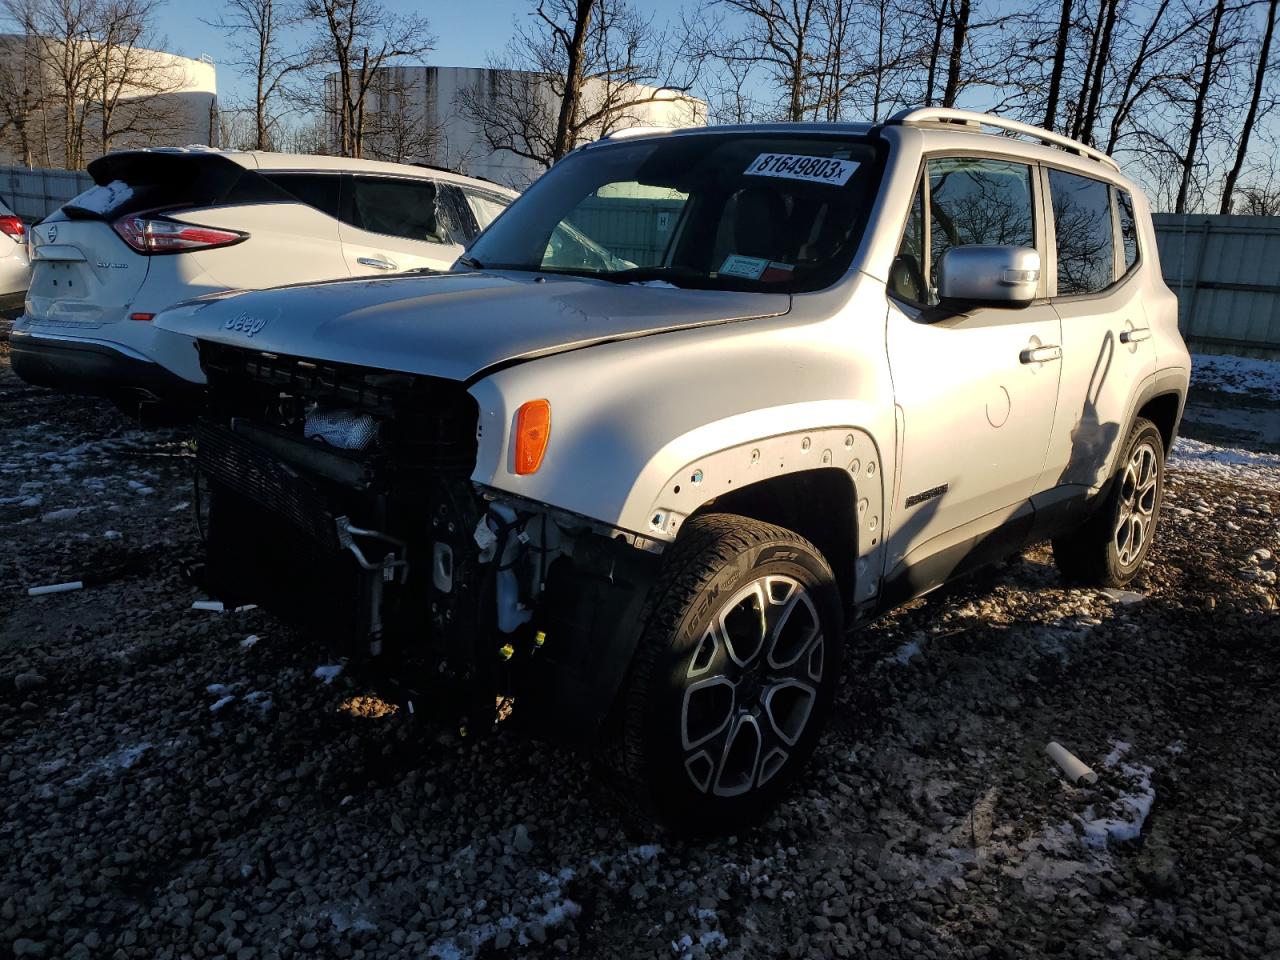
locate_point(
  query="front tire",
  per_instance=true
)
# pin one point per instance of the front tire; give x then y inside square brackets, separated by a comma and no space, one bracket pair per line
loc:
[734,675]
[1109,548]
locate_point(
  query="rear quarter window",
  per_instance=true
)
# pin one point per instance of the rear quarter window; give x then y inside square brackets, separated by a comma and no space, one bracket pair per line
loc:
[319,191]
[1128,229]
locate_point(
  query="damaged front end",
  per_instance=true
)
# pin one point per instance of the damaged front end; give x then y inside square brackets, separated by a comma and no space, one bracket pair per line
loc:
[341,498]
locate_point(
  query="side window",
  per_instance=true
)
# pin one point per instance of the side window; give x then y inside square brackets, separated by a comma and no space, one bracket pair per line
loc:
[400,208]
[485,207]
[317,190]
[1084,235]
[1128,229]
[962,201]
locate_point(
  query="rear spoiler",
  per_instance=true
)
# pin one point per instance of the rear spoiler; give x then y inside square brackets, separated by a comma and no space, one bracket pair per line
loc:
[156,179]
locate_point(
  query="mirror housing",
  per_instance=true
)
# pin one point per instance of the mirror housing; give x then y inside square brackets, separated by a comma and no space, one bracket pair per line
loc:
[989,276]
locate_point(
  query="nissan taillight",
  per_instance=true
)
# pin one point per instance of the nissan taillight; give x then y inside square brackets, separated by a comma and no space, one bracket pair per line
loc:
[154,235]
[13,227]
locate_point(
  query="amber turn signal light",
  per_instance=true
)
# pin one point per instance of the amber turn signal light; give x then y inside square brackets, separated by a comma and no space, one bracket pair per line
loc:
[533,429]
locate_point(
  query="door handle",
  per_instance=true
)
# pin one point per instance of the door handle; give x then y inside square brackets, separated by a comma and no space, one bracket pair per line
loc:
[1136,335]
[376,262]
[1041,354]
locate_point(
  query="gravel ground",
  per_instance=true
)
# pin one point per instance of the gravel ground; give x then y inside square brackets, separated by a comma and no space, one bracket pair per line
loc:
[184,783]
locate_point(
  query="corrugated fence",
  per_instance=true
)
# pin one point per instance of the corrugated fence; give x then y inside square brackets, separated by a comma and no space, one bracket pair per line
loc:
[1226,273]
[33,194]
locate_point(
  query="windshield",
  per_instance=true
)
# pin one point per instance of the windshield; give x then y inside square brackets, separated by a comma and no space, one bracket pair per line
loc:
[733,211]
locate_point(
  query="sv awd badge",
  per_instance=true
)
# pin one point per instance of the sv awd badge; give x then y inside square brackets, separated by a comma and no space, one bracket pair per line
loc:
[246,324]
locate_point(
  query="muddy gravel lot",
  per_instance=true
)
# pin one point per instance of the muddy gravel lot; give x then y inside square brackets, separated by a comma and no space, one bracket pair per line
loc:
[186,783]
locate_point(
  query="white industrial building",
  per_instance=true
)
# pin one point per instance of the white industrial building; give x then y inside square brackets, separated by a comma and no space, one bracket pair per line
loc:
[416,114]
[152,98]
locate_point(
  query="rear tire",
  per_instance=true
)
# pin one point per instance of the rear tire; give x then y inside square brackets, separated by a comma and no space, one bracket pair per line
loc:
[1109,548]
[734,674]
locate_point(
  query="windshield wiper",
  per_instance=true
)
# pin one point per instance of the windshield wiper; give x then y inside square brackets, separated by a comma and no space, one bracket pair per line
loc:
[471,262]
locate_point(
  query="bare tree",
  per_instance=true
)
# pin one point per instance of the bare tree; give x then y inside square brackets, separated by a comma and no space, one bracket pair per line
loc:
[577,70]
[1213,52]
[355,39]
[128,83]
[782,35]
[24,96]
[60,30]
[1259,201]
[255,30]
[1059,64]
[1251,115]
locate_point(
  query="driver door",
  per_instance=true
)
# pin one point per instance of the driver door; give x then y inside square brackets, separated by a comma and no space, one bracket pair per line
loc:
[975,392]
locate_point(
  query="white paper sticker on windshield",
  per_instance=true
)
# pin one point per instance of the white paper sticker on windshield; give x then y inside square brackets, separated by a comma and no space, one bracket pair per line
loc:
[736,265]
[791,166]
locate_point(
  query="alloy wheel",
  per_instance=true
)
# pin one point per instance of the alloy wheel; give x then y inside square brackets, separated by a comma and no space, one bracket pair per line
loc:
[1136,509]
[751,686]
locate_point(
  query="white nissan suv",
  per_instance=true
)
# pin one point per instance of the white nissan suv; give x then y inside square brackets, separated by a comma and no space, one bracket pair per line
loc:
[165,225]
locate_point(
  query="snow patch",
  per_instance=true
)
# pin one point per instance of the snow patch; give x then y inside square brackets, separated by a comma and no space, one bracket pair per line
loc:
[66,513]
[1123,818]
[102,198]
[121,759]
[902,656]
[1205,459]
[1241,375]
[221,702]
[328,673]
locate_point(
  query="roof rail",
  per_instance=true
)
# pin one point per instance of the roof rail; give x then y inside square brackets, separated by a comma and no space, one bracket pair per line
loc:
[627,133]
[969,118]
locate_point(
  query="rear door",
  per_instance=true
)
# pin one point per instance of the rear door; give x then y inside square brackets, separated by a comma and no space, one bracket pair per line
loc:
[1107,348]
[293,233]
[392,224]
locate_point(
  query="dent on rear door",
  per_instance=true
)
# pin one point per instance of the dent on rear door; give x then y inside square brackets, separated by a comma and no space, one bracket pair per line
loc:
[288,243]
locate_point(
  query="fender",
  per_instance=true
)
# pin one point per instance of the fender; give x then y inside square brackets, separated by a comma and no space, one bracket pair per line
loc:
[1171,380]
[704,478]
[629,418]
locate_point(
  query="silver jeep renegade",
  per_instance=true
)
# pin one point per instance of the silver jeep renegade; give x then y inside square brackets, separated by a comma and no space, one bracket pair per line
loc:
[694,406]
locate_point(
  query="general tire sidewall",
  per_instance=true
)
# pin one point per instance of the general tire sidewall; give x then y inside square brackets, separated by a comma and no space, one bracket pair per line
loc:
[679,802]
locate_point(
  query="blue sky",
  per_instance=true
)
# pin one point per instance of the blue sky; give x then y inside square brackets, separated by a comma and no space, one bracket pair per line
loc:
[466,32]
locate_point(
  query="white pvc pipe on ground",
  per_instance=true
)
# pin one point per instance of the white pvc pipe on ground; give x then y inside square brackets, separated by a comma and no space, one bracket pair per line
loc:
[1072,766]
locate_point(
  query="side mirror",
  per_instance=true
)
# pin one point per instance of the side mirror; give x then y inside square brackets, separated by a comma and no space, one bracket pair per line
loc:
[989,276]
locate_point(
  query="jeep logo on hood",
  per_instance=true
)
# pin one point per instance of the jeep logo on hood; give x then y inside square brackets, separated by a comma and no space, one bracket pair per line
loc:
[245,323]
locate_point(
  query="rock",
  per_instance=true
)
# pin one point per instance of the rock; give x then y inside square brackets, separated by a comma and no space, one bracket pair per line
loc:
[522,841]
[25,682]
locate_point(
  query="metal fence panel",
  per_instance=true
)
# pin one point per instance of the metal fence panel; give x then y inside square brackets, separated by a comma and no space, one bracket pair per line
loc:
[635,229]
[1226,273]
[33,194]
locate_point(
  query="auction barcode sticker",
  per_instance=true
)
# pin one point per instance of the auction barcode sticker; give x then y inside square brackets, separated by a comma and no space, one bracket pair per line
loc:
[792,166]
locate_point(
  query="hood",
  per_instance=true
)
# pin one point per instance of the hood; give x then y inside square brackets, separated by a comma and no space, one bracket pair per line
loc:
[454,325]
